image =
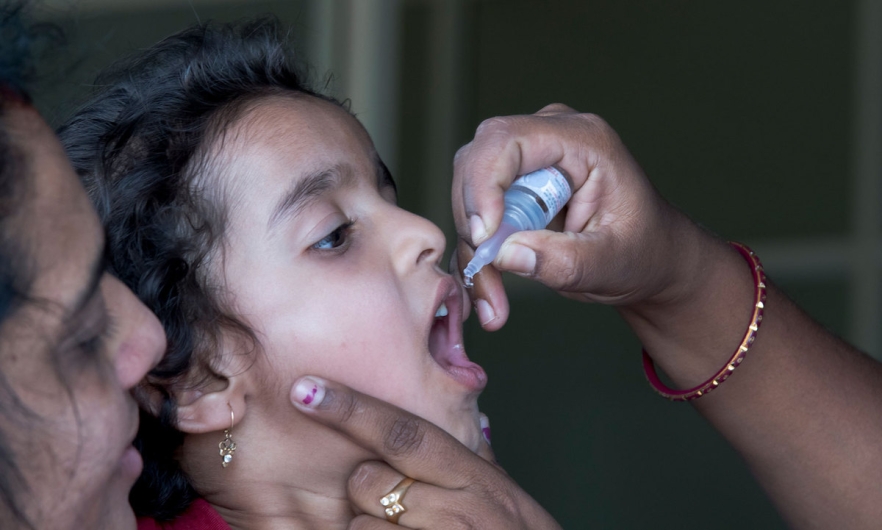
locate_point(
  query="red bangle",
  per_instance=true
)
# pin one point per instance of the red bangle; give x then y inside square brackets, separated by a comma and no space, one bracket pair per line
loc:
[759,280]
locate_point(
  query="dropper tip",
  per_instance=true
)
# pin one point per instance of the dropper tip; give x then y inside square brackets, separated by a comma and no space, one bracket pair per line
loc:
[469,273]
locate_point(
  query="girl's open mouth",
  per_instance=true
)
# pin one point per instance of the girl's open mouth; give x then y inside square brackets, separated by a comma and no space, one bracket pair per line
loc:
[445,339]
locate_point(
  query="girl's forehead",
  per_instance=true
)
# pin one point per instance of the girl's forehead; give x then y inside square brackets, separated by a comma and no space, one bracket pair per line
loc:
[281,141]
[301,116]
[288,133]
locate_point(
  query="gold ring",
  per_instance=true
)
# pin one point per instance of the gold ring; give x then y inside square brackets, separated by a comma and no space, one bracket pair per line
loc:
[392,500]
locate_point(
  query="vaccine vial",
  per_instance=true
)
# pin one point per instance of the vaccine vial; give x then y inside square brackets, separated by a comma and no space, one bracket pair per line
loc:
[531,203]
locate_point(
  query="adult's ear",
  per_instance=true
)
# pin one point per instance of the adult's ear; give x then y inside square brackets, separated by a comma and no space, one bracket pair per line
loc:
[206,407]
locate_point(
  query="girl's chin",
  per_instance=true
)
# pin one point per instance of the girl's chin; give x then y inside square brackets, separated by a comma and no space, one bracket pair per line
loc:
[466,428]
[475,441]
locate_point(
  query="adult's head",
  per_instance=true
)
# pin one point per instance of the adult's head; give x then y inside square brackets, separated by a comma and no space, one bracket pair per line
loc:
[73,340]
[257,220]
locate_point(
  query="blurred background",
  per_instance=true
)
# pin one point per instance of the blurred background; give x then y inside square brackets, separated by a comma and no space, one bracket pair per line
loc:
[760,118]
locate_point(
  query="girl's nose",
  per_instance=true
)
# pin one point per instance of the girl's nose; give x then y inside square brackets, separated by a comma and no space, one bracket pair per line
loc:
[417,240]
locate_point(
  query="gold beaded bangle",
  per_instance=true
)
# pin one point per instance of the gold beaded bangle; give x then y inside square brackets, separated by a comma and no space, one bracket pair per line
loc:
[759,280]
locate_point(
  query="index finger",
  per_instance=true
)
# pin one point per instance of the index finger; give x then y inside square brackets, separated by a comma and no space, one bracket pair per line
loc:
[505,147]
[415,447]
[488,292]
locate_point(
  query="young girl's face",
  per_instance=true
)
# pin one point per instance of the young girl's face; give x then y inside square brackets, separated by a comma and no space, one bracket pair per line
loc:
[336,279]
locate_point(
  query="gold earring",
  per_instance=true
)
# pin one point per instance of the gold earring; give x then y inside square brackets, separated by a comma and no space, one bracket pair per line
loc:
[228,446]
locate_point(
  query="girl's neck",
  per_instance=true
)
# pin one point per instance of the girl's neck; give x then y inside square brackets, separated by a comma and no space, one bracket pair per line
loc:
[266,508]
[293,480]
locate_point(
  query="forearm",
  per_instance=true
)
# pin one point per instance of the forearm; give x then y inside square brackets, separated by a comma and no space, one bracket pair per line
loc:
[803,408]
[805,414]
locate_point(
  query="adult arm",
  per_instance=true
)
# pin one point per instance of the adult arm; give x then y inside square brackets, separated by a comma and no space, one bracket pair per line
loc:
[804,409]
[454,488]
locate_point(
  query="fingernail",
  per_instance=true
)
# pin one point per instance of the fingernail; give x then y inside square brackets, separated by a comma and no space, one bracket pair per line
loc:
[308,392]
[516,258]
[485,428]
[479,231]
[485,311]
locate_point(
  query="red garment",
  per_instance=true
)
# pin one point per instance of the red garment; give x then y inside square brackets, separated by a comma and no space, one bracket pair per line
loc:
[199,516]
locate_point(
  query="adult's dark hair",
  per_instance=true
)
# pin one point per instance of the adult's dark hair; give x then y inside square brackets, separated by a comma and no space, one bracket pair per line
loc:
[140,145]
[21,42]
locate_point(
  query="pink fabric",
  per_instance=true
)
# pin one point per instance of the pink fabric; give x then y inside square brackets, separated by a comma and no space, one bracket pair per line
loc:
[199,516]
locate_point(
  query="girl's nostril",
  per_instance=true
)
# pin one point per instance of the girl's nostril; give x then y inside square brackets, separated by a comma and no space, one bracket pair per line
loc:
[425,255]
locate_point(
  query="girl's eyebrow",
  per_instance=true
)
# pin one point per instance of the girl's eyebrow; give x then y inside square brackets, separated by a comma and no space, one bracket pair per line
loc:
[307,189]
[384,176]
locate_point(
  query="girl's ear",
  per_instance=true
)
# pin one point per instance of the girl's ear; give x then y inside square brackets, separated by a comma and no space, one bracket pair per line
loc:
[201,411]
[207,408]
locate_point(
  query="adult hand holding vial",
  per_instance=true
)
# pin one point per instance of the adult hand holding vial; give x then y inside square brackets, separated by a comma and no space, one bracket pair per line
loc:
[613,210]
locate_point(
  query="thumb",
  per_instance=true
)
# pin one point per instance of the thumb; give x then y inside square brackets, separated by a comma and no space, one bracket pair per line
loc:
[563,261]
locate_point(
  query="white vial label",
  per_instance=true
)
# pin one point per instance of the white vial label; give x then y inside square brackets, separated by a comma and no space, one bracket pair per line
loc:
[551,186]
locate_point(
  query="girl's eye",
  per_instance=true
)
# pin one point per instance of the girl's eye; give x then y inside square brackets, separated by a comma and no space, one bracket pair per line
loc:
[335,239]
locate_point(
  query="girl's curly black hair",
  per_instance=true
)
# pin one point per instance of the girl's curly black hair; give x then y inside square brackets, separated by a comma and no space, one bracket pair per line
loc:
[140,144]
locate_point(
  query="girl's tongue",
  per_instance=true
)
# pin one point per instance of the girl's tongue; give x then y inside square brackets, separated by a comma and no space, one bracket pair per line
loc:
[445,345]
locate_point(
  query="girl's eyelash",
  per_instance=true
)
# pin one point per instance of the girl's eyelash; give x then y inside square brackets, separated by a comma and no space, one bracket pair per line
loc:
[338,237]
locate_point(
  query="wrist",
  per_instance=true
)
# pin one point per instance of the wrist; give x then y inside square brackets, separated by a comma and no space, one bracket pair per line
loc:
[734,361]
[692,324]
[684,262]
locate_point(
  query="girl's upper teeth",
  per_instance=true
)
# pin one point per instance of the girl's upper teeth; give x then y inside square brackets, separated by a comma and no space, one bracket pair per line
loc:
[442,311]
